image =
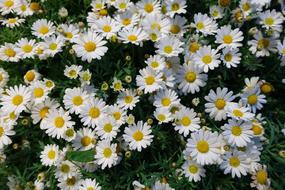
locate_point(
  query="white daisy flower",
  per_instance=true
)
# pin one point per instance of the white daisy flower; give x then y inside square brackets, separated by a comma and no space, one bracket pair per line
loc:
[49,155]
[190,78]
[65,170]
[238,112]
[216,12]
[169,46]
[39,92]
[52,45]
[231,57]
[12,22]
[107,128]
[7,6]
[6,131]
[90,46]
[71,183]
[127,18]
[163,115]
[175,7]
[147,7]
[26,48]
[43,28]
[106,154]
[156,23]
[9,53]
[149,80]
[4,78]
[262,46]
[122,5]
[161,186]
[178,25]
[138,136]
[204,147]
[31,76]
[260,178]
[127,99]
[271,19]
[156,62]
[106,26]
[227,37]
[166,98]
[120,115]
[132,35]
[70,32]
[193,171]
[72,71]
[85,77]
[204,24]
[250,84]
[207,58]
[23,9]
[217,103]
[89,184]
[85,139]
[253,99]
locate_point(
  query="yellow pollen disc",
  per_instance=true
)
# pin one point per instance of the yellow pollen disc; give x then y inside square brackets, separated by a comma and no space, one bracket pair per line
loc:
[86,140]
[257,130]
[194,47]
[236,130]
[220,104]
[207,59]
[200,25]
[51,154]
[44,30]
[103,12]
[108,128]
[90,46]
[234,161]
[132,38]
[190,76]
[10,52]
[175,7]
[175,29]
[107,152]
[252,99]
[155,26]
[165,101]
[193,169]
[123,6]
[17,100]
[23,8]
[1,77]
[128,99]
[69,132]
[8,3]
[12,116]
[94,112]
[261,177]
[27,48]
[64,168]
[38,92]
[245,6]
[126,21]
[148,7]
[161,117]
[1,131]
[149,80]
[266,88]
[90,188]
[228,39]
[117,115]
[237,113]
[185,121]
[71,181]
[72,73]
[154,64]
[68,35]
[30,76]
[228,57]
[168,49]
[59,122]
[138,135]
[35,6]
[202,146]
[77,100]
[43,112]
[107,28]
[53,46]
[12,20]
[224,3]
[263,43]
[269,21]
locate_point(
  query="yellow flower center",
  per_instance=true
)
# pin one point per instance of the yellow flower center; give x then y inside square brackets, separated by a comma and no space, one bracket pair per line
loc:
[168,49]
[35,6]
[69,132]
[64,168]
[224,3]
[261,177]
[194,47]
[90,188]
[175,7]
[107,28]
[161,117]
[107,152]
[103,12]
[30,76]
[266,88]
[207,59]
[86,140]
[27,48]
[72,73]
[38,92]
[220,103]
[53,46]
[263,43]
[123,6]
[1,77]
[257,130]
[1,131]
[10,52]
[138,135]
[71,181]
[49,84]
[252,99]
[51,154]
[118,86]
[59,122]
[126,21]
[234,162]
[200,25]
[43,112]
[203,146]
[148,7]
[12,116]
[269,21]
[186,121]
[108,128]
[12,20]
[237,113]
[132,38]
[90,46]
[149,80]
[8,3]
[77,100]
[228,57]
[245,6]
[17,100]
[23,8]
[43,30]
[94,112]
[117,115]
[165,101]
[155,26]
[236,130]
[228,39]
[193,169]
[154,64]
[128,99]
[190,76]
[175,29]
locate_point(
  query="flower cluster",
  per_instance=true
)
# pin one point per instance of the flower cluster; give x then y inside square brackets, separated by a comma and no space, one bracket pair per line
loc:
[185,53]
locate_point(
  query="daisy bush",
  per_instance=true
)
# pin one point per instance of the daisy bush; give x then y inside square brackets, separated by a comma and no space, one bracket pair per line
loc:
[143,95]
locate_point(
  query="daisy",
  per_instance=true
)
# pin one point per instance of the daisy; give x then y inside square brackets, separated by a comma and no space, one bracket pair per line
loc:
[8,53]
[148,80]
[175,7]
[128,99]
[106,154]
[204,147]
[12,22]
[238,112]
[217,103]
[43,28]
[49,155]
[231,57]
[93,112]
[23,9]
[4,78]
[156,62]
[52,45]
[262,46]
[107,128]
[166,98]
[7,6]
[190,78]
[106,26]
[163,115]
[253,99]
[85,139]
[89,184]
[156,23]
[5,132]
[227,37]
[70,32]
[178,25]
[146,7]
[74,99]
[132,35]
[127,18]
[271,19]
[26,48]
[250,84]
[56,123]
[260,178]
[85,77]
[207,58]
[90,46]
[31,76]
[216,12]
[65,169]
[72,71]
[39,92]
[16,99]
[118,114]
[193,171]
[122,5]
[161,186]
[186,121]
[204,24]
[247,7]
[237,133]
[235,163]
[49,83]
[138,136]
[169,46]
[117,85]
[71,183]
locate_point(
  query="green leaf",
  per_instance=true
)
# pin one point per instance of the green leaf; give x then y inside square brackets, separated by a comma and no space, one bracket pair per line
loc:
[81,156]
